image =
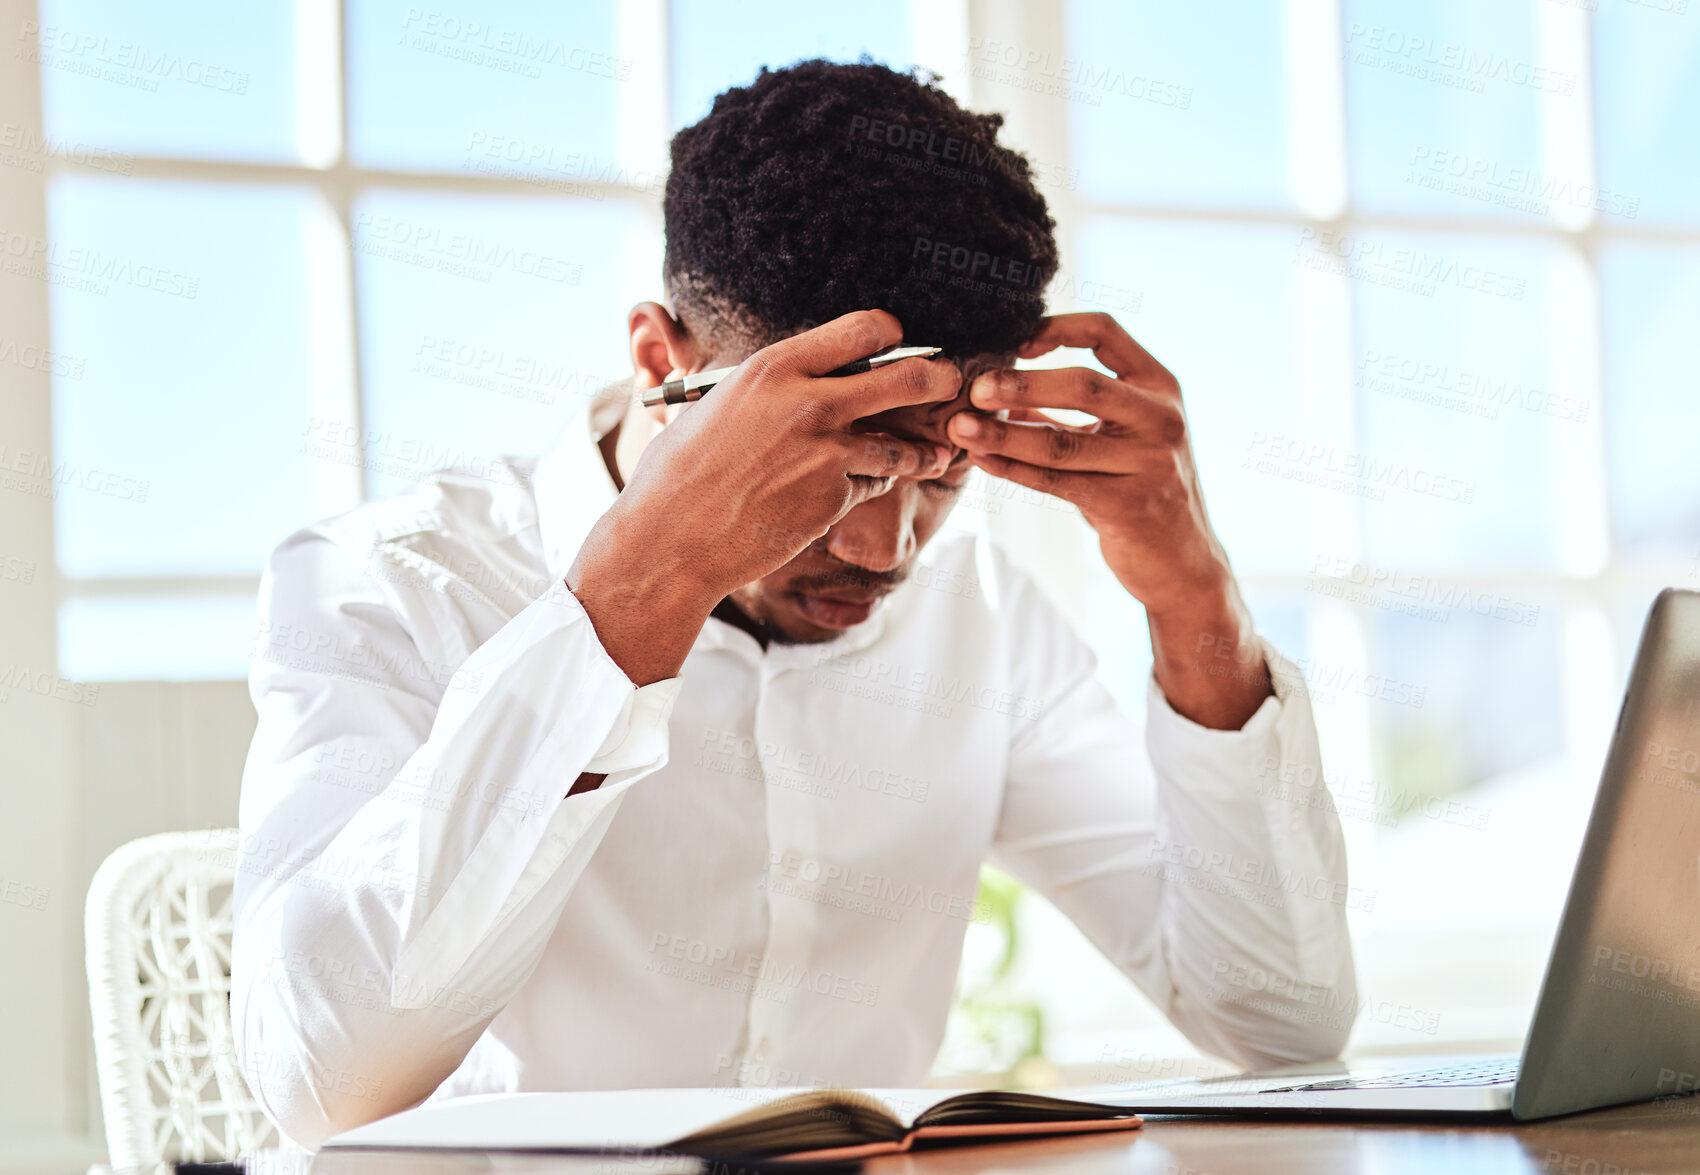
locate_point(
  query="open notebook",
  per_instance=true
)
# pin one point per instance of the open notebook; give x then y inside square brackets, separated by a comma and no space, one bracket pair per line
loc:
[822,1123]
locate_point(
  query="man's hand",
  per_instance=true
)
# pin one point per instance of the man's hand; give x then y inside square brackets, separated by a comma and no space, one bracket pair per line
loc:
[1132,475]
[745,479]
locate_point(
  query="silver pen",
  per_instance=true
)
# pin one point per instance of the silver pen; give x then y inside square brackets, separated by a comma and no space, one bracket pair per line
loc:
[695,387]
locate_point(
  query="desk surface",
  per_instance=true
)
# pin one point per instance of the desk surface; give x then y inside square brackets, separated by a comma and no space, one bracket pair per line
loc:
[1630,1140]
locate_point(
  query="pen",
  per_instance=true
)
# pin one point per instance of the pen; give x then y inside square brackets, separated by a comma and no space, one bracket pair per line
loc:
[695,387]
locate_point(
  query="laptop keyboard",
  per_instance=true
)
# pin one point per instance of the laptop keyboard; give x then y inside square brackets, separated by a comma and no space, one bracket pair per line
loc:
[1494,1072]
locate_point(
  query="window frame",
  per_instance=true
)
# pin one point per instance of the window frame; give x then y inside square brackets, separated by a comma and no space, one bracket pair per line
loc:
[1590,589]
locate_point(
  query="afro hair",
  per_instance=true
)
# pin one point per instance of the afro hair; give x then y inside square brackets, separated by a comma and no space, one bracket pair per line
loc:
[823,188]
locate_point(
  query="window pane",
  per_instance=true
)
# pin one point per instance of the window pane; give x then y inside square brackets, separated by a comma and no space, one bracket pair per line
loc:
[716,45]
[156,638]
[194,312]
[1647,57]
[1282,619]
[1179,289]
[1651,304]
[1474,696]
[1455,406]
[1164,106]
[486,323]
[1443,107]
[516,86]
[1119,635]
[198,80]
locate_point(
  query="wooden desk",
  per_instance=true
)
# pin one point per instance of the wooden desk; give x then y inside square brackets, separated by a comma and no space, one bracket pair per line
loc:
[1630,1140]
[1633,1140]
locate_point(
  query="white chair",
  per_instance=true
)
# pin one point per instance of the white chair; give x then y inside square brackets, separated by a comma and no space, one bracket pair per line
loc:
[158,924]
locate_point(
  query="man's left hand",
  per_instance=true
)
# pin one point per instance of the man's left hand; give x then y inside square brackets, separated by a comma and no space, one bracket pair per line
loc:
[1132,475]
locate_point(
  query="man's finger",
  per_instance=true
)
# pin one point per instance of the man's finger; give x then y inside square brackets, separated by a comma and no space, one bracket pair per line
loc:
[833,344]
[895,385]
[863,488]
[876,454]
[1079,388]
[1141,414]
[1079,488]
[1051,445]
[854,336]
[1106,339]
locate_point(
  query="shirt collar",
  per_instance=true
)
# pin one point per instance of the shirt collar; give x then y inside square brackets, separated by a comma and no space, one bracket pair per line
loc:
[573,490]
[717,634]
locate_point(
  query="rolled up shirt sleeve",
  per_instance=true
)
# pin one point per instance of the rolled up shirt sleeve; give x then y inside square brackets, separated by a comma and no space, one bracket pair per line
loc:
[407,836]
[1219,895]
[1257,875]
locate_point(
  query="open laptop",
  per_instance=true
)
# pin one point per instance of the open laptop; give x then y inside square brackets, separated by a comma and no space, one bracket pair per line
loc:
[1618,1019]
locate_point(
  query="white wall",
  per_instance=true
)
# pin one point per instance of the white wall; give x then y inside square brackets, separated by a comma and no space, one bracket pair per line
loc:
[146,757]
[40,1085]
[149,757]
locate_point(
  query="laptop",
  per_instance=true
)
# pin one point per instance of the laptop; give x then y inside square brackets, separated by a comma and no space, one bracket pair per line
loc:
[1618,1018]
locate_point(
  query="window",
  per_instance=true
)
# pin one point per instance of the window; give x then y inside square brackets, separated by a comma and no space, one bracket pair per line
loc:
[254,222]
[1426,273]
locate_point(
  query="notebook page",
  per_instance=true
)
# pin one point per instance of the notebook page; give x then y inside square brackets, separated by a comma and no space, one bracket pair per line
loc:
[906,1105]
[581,1120]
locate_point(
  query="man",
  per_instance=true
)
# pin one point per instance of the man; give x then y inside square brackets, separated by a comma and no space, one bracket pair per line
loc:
[603,772]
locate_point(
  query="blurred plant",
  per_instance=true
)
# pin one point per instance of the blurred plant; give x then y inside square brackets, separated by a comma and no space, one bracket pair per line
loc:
[1423,764]
[994,1034]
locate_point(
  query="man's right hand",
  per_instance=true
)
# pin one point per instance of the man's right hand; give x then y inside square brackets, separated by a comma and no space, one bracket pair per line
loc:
[745,479]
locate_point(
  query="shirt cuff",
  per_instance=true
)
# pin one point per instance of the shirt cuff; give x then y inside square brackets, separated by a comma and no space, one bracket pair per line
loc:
[638,737]
[1181,749]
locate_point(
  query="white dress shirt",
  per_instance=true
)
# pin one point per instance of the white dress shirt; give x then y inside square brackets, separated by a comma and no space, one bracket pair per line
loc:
[773,883]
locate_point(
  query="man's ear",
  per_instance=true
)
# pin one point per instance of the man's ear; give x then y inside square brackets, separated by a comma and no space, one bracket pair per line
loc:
[659,344]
